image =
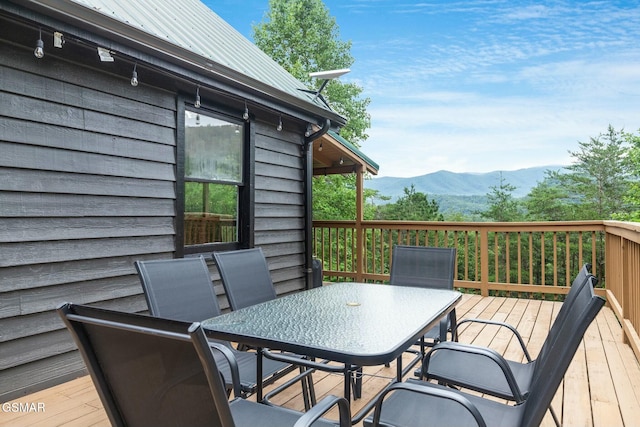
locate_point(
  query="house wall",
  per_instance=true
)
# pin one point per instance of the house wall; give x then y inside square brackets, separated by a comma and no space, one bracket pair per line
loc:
[87,186]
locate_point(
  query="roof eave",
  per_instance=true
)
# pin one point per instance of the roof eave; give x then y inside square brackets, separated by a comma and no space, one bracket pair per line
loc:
[85,18]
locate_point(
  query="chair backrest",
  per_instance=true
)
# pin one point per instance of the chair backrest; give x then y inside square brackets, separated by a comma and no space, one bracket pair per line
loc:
[576,287]
[423,266]
[149,371]
[581,313]
[245,276]
[178,289]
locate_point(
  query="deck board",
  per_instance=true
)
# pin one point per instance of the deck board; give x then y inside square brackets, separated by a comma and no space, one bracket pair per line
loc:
[601,387]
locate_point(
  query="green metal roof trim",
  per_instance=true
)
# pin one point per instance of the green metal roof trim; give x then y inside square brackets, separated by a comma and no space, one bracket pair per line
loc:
[190,32]
[354,150]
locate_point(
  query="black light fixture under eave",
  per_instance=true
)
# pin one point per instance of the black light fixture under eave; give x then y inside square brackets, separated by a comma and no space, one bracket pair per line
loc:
[134,76]
[39,50]
[245,115]
[197,101]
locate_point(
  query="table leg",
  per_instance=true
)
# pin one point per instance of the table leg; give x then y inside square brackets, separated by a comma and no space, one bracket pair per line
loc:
[347,382]
[399,369]
[259,390]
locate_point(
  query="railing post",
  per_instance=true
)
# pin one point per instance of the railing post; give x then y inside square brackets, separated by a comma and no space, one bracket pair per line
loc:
[360,241]
[484,261]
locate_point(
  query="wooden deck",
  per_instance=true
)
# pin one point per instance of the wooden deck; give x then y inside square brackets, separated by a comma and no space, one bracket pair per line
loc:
[601,387]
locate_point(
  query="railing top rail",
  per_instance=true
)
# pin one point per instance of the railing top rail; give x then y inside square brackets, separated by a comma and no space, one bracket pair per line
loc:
[493,226]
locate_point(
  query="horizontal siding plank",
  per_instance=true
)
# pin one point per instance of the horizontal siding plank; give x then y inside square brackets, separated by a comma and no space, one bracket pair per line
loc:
[14,230]
[266,142]
[263,170]
[48,321]
[19,107]
[53,370]
[34,181]
[274,197]
[279,224]
[281,236]
[55,205]
[280,249]
[275,211]
[56,69]
[21,326]
[57,251]
[55,136]
[31,349]
[277,184]
[279,159]
[53,159]
[69,94]
[45,299]
[21,277]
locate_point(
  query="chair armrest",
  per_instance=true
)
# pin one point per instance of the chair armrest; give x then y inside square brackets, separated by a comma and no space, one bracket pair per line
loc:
[233,366]
[322,408]
[501,324]
[430,391]
[488,353]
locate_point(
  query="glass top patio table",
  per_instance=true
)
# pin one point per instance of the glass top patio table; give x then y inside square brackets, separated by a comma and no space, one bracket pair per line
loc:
[355,323]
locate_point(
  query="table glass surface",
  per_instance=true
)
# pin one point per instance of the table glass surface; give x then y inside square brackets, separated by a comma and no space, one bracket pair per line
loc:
[347,322]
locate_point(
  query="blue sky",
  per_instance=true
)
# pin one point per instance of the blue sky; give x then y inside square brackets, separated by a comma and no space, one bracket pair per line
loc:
[483,85]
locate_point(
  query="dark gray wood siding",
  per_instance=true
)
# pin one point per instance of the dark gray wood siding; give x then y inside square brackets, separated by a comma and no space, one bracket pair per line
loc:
[279,205]
[87,185]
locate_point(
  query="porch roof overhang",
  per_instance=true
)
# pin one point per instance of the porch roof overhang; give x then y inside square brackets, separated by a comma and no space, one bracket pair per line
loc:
[332,154]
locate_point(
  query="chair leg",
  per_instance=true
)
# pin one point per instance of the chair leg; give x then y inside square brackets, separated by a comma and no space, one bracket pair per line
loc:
[308,391]
[356,383]
[554,416]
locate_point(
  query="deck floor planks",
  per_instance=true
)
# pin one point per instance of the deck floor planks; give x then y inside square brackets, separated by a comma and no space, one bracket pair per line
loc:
[601,388]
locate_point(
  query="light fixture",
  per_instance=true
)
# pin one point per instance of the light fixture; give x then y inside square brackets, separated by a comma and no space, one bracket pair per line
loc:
[341,160]
[197,101]
[134,76]
[245,115]
[279,128]
[58,40]
[197,119]
[105,55]
[39,50]
[307,132]
[320,147]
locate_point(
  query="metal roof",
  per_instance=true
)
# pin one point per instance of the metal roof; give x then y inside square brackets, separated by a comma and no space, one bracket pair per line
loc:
[187,30]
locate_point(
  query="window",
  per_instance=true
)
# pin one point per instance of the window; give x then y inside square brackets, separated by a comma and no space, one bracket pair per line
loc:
[214,180]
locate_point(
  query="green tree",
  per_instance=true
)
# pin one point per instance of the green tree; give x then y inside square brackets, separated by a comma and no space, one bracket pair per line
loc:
[600,178]
[303,37]
[632,197]
[503,207]
[412,206]
[548,200]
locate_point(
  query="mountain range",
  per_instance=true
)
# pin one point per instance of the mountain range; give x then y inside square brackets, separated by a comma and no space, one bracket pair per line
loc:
[450,189]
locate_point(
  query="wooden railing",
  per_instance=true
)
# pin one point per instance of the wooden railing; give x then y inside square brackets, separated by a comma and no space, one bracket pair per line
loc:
[533,259]
[200,227]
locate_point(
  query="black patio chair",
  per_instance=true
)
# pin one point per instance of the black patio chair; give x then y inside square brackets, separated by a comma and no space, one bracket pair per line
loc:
[419,403]
[151,371]
[426,267]
[181,289]
[245,276]
[485,370]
